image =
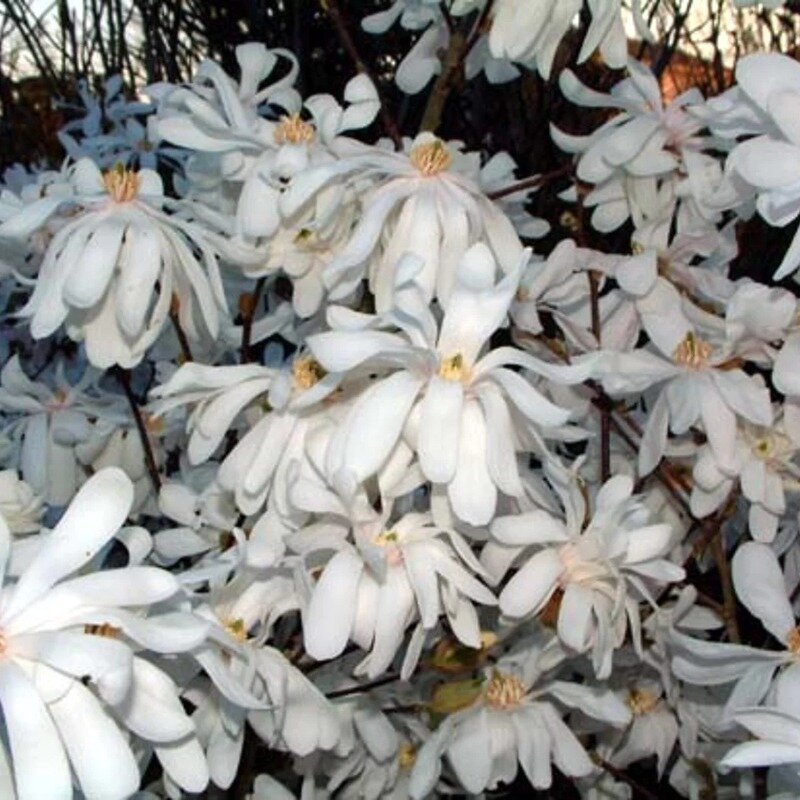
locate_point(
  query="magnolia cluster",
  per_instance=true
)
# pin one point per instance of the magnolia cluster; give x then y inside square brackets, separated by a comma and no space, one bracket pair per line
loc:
[420,522]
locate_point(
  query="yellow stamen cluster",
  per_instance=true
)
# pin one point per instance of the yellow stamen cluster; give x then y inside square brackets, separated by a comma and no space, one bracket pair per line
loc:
[504,691]
[793,641]
[386,538]
[390,541]
[764,447]
[122,184]
[431,158]
[692,352]
[307,372]
[641,701]
[407,756]
[294,130]
[106,630]
[304,236]
[454,368]
[237,629]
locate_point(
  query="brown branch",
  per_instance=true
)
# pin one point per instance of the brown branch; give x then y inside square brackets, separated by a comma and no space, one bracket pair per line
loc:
[364,687]
[621,775]
[247,307]
[331,8]
[728,596]
[183,341]
[535,182]
[124,378]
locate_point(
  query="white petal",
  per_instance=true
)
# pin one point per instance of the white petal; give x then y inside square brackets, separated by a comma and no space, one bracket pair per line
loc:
[532,585]
[33,738]
[94,516]
[329,619]
[758,580]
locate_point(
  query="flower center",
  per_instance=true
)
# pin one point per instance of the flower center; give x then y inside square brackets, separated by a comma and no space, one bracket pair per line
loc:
[793,641]
[305,236]
[504,691]
[454,368]
[389,541]
[641,701]
[407,756]
[764,447]
[692,352]
[431,158]
[237,629]
[294,130]
[122,184]
[59,400]
[307,372]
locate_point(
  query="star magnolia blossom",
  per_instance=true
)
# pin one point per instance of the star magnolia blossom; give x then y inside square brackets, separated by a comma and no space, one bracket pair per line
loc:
[513,722]
[759,585]
[398,572]
[647,159]
[426,201]
[252,683]
[765,466]
[592,567]
[140,257]
[766,165]
[699,381]
[530,33]
[221,394]
[49,424]
[57,628]
[240,153]
[465,395]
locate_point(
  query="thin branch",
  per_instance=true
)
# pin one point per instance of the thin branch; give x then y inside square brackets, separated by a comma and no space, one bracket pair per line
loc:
[534,182]
[364,687]
[728,596]
[124,378]
[183,341]
[331,8]
[621,775]
[247,305]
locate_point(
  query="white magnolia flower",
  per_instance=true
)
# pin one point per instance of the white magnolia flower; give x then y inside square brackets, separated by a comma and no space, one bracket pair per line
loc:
[759,585]
[600,570]
[264,453]
[243,159]
[20,506]
[467,412]
[699,379]
[141,258]
[764,466]
[426,201]
[56,630]
[654,730]
[250,681]
[109,129]
[48,425]
[530,33]
[514,722]
[399,572]
[646,162]
[767,165]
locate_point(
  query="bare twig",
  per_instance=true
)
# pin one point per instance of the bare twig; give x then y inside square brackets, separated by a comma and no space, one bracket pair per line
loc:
[124,378]
[534,182]
[331,8]
[183,341]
